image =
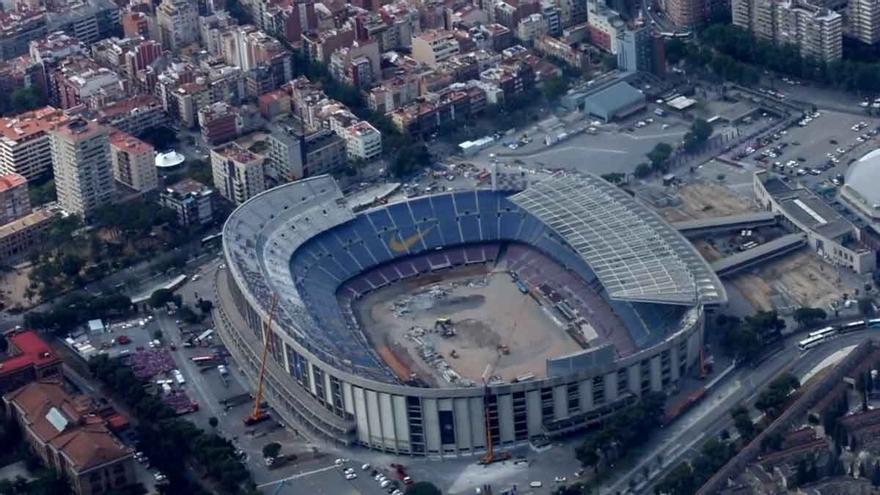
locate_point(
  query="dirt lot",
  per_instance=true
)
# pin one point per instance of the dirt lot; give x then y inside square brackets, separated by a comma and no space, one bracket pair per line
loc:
[487,310]
[13,285]
[705,200]
[802,278]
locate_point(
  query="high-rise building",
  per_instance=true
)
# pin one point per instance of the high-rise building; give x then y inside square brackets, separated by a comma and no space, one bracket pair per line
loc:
[863,20]
[816,31]
[686,13]
[238,174]
[14,200]
[178,23]
[134,162]
[640,51]
[81,163]
[24,142]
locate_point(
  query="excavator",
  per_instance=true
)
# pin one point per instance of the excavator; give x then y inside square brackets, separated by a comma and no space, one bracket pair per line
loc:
[258,415]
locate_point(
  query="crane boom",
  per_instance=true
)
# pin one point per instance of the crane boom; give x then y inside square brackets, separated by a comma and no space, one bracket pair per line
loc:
[258,415]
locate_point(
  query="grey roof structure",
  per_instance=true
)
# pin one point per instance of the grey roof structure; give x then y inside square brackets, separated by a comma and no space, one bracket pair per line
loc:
[611,100]
[636,254]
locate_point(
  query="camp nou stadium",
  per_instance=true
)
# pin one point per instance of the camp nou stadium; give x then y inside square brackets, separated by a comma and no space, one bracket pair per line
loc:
[461,322]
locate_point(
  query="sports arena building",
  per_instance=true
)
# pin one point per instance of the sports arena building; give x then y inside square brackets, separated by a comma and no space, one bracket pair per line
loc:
[303,246]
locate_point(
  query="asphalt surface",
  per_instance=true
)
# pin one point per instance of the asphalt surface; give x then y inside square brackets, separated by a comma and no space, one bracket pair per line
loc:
[681,440]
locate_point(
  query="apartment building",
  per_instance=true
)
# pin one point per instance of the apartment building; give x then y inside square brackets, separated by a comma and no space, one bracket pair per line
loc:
[14,200]
[433,47]
[863,20]
[24,142]
[133,115]
[23,235]
[530,28]
[178,23]
[686,13]
[191,200]
[133,161]
[18,29]
[362,141]
[295,153]
[815,30]
[238,173]
[82,166]
[82,81]
[605,26]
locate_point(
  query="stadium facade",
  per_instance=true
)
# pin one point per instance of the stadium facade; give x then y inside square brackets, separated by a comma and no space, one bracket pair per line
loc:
[301,242]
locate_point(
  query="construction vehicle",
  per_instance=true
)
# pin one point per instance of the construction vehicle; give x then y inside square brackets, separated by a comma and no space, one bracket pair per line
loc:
[258,415]
[445,326]
[490,456]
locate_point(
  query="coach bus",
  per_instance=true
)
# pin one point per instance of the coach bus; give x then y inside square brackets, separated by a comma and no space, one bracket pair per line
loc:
[203,359]
[823,332]
[810,342]
[853,326]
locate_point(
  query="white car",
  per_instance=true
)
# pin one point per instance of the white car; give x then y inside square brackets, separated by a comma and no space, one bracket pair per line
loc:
[560,479]
[365,467]
[351,476]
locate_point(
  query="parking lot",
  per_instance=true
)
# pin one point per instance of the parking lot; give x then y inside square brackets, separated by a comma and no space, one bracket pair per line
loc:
[816,149]
[614,147]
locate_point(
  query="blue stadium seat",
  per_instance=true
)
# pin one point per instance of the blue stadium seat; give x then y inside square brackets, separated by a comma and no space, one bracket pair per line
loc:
[421,209]
[465,203]
[470,228]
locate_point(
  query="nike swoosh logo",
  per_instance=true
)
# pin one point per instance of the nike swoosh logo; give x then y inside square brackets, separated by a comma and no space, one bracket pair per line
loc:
[403,245]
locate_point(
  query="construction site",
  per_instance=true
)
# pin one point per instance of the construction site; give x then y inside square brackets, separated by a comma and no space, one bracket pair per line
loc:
[465,325]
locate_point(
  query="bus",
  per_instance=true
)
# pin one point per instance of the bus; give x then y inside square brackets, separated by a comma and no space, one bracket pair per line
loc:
[211,238]
[853,326]
[810,342]
[203,359]
[823,332]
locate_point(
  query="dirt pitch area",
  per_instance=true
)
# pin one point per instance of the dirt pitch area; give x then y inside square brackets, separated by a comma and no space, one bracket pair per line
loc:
[802,278]
[705,200]
[13,285]
[487,311]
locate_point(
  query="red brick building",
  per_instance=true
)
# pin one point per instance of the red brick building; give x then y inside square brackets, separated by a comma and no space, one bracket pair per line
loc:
[28,358]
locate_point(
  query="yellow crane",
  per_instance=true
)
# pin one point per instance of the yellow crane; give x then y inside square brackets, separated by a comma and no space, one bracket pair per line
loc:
[258,415]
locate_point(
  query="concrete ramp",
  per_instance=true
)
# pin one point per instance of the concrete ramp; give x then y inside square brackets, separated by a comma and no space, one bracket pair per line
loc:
[704,226]
[751,257]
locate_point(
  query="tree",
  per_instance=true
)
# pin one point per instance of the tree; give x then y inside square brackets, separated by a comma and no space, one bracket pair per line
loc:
[205,306]
[659,157]
[271,450]
[806,316]
[642,170]
[743,422]
[697,135]
[423,488]
[160,297]
[213,421]
[680,481]
[772,398]
[554,87]
[409,159]
[24,99]
[866,306]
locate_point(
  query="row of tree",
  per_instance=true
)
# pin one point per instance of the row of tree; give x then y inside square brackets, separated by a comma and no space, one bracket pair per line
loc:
[688,477]
[748,338]
[172,443]
[623,431]
[78,308]
[734,54]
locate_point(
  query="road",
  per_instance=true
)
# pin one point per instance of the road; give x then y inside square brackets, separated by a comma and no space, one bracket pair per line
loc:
[680,441]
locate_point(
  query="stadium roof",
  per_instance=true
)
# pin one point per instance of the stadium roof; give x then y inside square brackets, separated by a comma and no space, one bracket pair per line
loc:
[636,255]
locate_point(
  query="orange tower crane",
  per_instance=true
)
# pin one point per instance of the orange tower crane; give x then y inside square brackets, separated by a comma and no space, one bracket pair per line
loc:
[258,415]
